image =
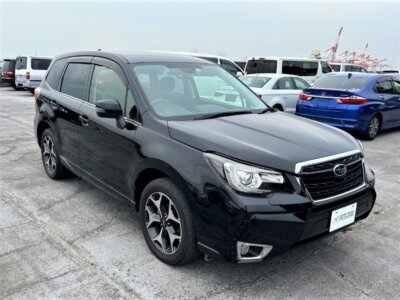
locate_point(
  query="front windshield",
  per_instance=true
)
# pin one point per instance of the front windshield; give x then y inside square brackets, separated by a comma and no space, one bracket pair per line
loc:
[190,90]
[254,81]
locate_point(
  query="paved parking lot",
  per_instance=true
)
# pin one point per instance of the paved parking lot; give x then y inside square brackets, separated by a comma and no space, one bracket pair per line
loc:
[67,239]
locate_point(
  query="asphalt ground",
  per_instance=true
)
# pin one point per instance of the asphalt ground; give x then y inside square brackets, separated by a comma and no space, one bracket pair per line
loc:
[67,239]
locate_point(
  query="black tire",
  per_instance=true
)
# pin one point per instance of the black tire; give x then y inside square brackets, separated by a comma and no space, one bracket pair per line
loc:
[32,91]
[278,107]
[186,250]
[374,125]
[51,159]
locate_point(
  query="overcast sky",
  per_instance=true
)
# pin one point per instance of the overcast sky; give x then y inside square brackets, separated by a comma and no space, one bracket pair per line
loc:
[236,29]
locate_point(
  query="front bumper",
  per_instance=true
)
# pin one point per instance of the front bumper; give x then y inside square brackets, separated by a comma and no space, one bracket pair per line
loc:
[279,221]
[287,230]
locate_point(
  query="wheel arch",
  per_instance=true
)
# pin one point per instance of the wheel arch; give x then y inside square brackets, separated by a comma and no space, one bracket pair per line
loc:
[41,127]
[152,169]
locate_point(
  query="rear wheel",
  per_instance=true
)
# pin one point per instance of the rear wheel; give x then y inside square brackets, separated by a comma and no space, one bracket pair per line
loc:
[167,223]
[50,156]
[373,128]
[32,91]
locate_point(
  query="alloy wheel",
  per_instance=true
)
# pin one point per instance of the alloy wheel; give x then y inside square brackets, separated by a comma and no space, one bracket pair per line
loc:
[163,223]
[49,154]
[373,127]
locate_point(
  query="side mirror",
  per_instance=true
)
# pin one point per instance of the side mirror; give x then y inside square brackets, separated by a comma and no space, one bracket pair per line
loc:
[238,74]
[108,109]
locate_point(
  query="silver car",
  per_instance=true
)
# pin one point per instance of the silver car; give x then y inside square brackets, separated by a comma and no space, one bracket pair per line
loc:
[277,90]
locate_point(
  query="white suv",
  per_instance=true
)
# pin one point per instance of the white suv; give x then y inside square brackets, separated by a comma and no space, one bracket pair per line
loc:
[308,69]
[345,67]
[30,70]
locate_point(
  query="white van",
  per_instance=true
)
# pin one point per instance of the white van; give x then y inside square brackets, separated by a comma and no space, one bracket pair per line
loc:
[30,70]
[306,68]
[224,62]
[345,67]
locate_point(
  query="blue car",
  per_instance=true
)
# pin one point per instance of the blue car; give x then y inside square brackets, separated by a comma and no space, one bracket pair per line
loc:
[360,102]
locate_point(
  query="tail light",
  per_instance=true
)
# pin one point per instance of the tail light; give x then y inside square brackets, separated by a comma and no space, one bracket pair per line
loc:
[28,76]
[36,94]
[305,97]
[352,100]
[9,73]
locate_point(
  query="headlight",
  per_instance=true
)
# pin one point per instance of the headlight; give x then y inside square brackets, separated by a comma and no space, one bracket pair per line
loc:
[244,178]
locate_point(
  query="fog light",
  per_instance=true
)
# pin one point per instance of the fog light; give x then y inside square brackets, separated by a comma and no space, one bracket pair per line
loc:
[244,249]
[247,252]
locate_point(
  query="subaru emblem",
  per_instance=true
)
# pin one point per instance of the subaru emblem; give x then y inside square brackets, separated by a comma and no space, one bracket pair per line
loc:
[340,170]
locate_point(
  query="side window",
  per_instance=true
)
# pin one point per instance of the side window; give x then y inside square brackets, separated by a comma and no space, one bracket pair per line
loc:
[384,87]
[396,86]
[21,63]
[106,85]
[74,80]
[231,68]
[348,68]
[300,68]
[301,84]
[54,75]
[284,84]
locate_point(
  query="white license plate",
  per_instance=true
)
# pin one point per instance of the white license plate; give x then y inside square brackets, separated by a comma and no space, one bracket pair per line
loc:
[343,216]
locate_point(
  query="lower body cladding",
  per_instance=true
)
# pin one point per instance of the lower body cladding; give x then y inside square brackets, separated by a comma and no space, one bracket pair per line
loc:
[252,236]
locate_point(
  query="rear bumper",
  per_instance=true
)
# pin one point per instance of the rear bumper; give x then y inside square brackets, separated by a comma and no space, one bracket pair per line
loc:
[349,119]
[34,83]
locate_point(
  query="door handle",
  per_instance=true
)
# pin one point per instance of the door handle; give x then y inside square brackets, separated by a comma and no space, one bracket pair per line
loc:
[84,120]
[54,104]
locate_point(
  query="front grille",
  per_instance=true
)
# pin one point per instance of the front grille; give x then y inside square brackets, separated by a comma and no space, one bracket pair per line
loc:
[321,182]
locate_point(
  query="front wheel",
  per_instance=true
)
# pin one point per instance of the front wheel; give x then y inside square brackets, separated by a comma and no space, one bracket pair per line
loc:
[167,223]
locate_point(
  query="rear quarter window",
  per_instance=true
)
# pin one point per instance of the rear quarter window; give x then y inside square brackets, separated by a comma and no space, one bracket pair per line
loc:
[300,68]
[261,66]
[55,72]
[40,64]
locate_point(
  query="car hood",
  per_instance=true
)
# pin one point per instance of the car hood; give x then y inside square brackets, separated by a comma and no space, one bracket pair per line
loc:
[274,139]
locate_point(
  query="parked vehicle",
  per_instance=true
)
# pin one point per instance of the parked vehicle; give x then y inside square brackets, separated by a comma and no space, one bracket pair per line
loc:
[308,69]
[224,62]
[345,67]
[228,181]
[8,72]
[29,71]
[365,103]
[277,90]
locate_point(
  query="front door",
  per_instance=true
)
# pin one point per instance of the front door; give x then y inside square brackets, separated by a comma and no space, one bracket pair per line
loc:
[106,149]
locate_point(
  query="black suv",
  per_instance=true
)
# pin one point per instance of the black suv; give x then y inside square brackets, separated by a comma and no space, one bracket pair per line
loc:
[209,166]
[8,72]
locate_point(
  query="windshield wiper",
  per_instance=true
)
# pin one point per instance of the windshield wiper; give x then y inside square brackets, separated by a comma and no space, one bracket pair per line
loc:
[267,110]
[223,114]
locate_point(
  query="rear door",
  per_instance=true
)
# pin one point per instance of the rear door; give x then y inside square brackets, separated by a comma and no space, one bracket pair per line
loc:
[20,71]
[66,105]
[384,89]
[396,100]
[286,93]
[106,150]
